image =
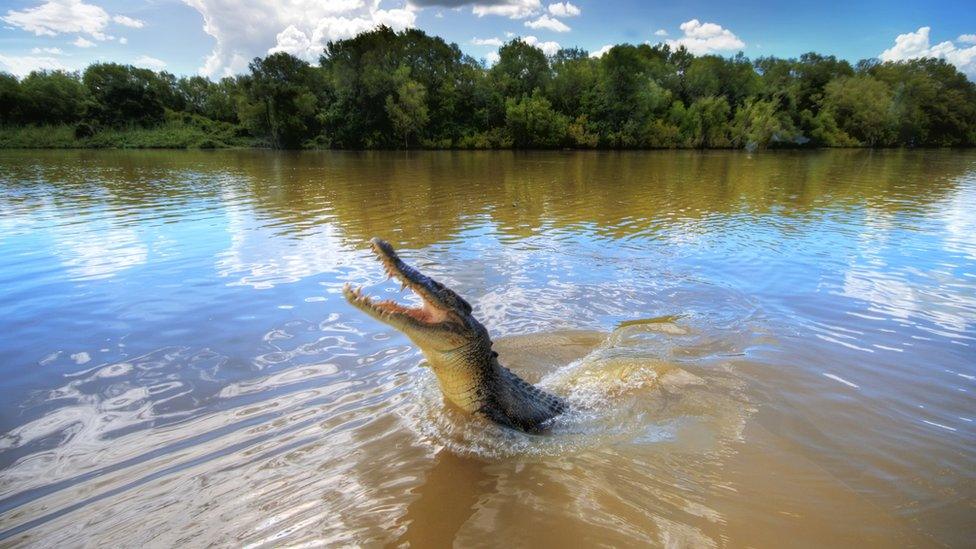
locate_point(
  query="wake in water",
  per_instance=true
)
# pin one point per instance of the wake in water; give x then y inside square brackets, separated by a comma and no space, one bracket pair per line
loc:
[658,381]
[322,443]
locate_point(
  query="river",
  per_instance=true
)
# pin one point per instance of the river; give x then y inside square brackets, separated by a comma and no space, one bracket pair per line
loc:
[178,365]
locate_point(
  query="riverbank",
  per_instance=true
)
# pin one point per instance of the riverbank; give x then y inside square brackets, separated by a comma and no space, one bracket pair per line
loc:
[217,135]
[177,133]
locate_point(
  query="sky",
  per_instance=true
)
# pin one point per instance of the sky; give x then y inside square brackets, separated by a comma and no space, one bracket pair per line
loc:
[216,38]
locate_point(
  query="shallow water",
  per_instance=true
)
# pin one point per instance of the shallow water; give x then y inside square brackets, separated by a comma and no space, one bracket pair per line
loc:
[758,348]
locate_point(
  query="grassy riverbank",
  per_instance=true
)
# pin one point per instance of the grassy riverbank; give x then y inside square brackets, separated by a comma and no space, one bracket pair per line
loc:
[177,132]
[180,135]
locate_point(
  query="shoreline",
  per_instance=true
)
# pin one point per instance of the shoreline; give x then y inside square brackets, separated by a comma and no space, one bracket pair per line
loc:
[461,149]
[180,135]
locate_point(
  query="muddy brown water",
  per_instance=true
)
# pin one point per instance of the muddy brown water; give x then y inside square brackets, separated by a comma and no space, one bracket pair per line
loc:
[760,350]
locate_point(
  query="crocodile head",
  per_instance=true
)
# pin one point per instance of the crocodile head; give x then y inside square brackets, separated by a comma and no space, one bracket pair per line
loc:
[442,326]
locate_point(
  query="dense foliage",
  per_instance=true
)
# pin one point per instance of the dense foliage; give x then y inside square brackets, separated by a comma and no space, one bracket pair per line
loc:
[384,89]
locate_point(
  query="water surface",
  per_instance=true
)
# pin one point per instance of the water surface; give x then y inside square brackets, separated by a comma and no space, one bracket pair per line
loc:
[759,348]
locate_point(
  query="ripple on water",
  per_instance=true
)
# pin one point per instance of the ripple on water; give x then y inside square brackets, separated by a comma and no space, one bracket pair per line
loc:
[634,387]
[179,366]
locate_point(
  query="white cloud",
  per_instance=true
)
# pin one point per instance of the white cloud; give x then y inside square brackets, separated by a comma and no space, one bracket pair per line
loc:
[123,40]
[83,43]
[492,57]
[493,42]
[909,46]
[129,22]
[546,22]
[660,32]
[914,45]
[702,38]
[513,9]
[60,16]
[149,63]
[23,65]
[294,41]
[602,51]
[564,9]
[49,51]
[244,30]
[549,48]
[967,38]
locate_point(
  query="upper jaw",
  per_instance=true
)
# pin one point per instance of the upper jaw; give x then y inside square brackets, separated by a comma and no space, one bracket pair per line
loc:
[409,277]
[430,314]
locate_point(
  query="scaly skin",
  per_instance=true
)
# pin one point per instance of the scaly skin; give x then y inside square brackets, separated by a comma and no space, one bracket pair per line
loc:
[458,349]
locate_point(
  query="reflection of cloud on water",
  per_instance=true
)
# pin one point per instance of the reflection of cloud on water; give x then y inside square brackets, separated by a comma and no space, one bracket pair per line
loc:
[14,222]
[261,258]
[104,249]
[960,221]
[894,297]
[908,302]
[280,457]
[100,246]
[893,274]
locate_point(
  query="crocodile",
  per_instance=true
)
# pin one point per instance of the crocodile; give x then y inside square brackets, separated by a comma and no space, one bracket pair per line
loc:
[458,349]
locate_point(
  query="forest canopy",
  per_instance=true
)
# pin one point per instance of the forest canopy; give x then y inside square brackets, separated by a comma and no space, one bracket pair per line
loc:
[386,89]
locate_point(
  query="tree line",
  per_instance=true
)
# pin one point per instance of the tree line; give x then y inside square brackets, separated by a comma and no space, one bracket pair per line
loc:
[386,89]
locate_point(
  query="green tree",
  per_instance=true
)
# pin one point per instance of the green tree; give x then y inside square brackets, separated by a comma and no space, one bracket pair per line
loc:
[709,118]
[221,102]
[580,134]
[53,97]
[704,77]
[407,106]
[862,108]
[825,131]
[11,99]
[621,78]
[757,124]
[933,102]
[778,82]
[813,72]
[386,89]
[626,97]
[278,102]
[194,92]
[573,82]
[166,86]
[521,69]
[123,94]
[361,74]
[204,97]
[532,123]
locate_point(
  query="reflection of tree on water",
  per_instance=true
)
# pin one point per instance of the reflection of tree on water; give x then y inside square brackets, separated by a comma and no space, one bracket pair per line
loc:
[426,197]
[418,199]
[444,501]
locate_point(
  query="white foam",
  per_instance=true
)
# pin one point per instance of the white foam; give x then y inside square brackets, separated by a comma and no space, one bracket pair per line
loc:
[842,380]
[946,427]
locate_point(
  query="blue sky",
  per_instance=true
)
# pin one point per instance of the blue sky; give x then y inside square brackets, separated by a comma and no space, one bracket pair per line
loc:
[219,37]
